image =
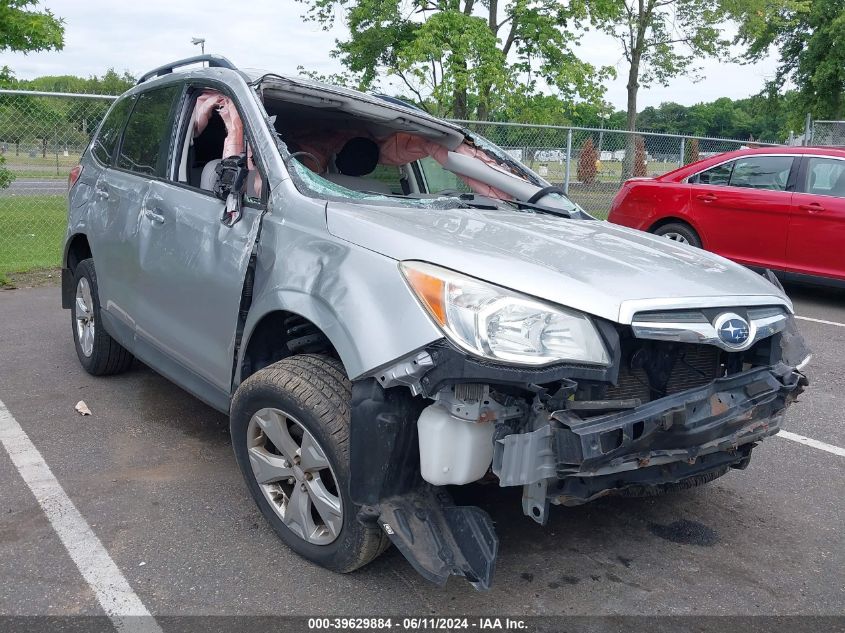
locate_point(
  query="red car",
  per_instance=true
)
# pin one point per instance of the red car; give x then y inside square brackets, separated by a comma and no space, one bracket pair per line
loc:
[778,207]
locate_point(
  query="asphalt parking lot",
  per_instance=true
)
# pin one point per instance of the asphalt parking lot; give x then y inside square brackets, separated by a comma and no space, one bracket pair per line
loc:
[153,475]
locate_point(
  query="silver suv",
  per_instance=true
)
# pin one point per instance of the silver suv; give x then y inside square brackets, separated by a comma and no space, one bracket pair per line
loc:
[387,305]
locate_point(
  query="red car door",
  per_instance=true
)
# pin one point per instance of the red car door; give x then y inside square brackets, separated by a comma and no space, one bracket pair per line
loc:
[816,243]
[742,208]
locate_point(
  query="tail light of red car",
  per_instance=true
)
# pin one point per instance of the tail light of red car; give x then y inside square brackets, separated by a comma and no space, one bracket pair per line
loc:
[73,176]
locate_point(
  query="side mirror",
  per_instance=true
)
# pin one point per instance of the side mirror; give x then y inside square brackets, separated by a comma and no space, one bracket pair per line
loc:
[230,184]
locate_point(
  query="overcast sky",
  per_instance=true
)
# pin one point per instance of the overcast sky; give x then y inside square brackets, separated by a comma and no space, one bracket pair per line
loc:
[271,34]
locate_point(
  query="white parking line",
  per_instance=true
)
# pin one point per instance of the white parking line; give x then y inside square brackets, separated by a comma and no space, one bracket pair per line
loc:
[127,612]
[803,318]
[822,446]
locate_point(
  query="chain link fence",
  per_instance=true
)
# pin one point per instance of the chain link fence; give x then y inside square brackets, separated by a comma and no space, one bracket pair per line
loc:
[591,163]
[42,136]
[828,133]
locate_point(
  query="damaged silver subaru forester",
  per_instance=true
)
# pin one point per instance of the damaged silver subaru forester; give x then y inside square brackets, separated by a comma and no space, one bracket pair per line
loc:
[388,305]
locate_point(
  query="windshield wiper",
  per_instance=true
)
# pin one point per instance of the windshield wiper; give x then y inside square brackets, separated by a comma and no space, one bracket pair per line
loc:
[562,213]
[493,204]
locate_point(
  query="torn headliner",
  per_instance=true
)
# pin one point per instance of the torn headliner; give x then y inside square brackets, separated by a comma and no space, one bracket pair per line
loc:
[376,112]
[299,104]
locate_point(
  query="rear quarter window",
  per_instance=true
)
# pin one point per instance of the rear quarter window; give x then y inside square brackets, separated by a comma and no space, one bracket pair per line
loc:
[106,140]
[146,139]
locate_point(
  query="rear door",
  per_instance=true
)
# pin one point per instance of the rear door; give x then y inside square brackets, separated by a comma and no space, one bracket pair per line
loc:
[816,243]
[110,221]
[140,157]
[742,208]
[192,270]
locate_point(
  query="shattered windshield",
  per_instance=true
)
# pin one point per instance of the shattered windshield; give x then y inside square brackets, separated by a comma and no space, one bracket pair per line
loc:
[339,155]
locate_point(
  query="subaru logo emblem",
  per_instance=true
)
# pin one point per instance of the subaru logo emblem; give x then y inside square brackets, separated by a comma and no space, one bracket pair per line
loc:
[732,330]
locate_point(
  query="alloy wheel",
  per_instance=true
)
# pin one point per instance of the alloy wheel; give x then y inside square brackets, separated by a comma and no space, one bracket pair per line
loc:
[676,237]
[85,317]
[295,476]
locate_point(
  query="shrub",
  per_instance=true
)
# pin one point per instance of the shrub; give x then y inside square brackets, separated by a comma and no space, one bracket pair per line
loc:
[692,154]
[587,168]
[639,157]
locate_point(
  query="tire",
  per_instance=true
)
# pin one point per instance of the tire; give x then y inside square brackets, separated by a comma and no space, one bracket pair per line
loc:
[679,232]
[657,490]
[310,393]
[99,354]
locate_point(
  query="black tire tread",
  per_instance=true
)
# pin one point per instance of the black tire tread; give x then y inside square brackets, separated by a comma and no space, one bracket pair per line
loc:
[319,383]
[680,227]
[109,357]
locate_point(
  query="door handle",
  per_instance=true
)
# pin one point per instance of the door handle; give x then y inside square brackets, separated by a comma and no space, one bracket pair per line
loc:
[153,216]
[706,197]
[813,207]
[102,194]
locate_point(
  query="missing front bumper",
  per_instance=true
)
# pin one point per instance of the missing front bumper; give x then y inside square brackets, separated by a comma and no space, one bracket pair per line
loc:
[664,441]
[565,460]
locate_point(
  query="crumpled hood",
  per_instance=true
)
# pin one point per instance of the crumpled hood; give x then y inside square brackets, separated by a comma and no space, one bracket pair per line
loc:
[593,266]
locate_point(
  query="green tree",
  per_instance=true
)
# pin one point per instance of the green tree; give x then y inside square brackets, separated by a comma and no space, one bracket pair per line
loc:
[810,38]
[466,58]
[662,39]
[24,29]
[764,116]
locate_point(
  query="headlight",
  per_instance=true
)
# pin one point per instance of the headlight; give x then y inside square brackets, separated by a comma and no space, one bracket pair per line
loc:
[500,324]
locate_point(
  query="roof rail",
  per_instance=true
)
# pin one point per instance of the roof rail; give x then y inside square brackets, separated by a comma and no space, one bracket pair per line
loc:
[214,61]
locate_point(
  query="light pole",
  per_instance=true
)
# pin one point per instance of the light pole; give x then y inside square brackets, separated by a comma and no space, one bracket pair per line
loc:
[200,41]
[604,118]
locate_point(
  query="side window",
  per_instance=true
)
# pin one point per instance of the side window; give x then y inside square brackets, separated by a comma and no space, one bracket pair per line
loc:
[762,172]
[826,177]
[718,175]
[214,130]
[106,141]
[146,139]
[438,179]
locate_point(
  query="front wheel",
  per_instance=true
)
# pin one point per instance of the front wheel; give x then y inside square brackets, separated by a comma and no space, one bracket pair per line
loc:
[679,232]
[290,431]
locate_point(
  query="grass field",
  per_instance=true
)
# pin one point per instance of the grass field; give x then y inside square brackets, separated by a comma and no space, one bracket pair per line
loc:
[51,168]
[31,232]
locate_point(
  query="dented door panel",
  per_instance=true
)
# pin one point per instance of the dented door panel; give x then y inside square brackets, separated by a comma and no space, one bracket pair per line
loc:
[340,287]
[113,226]
[191,270]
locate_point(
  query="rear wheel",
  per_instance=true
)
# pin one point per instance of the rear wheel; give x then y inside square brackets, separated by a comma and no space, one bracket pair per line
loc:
[99,354]
[679,232]
[290,431]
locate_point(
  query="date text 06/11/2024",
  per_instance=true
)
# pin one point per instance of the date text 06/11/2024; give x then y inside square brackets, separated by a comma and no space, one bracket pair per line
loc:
[417,624]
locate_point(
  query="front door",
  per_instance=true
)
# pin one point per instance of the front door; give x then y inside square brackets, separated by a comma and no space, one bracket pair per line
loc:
[817,228]
[192,270]
[192,266]
[743,208]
